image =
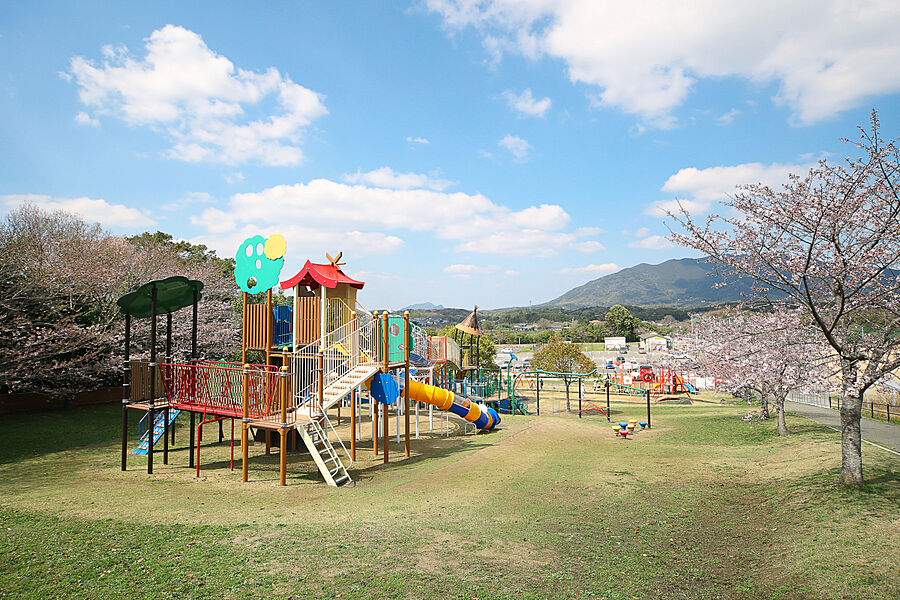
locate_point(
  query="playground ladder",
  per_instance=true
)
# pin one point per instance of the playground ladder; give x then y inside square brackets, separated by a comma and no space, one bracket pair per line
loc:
[323,454]
[158,430]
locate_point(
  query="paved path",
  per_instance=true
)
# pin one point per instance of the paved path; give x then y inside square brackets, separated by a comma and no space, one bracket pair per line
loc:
[877,432]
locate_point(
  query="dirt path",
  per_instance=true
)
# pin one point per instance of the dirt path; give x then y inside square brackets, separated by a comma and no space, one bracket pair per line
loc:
[883,434]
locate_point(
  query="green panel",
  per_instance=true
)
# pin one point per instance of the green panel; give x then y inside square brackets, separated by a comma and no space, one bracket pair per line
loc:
[172,294]
[396,350]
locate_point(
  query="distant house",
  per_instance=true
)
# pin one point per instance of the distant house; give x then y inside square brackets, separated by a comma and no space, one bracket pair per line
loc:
[615,344]
[653,342]
[524,327]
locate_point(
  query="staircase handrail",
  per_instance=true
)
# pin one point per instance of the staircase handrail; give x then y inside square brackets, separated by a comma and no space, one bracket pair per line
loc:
[340,441]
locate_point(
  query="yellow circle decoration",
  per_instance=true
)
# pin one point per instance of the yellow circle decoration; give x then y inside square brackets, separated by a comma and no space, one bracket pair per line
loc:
[276,246]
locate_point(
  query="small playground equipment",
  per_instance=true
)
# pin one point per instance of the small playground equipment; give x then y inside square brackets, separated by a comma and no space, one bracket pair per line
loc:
[625,428]
[322,353]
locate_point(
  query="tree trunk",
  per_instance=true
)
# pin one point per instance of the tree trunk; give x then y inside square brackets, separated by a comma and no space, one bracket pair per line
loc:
[851,441]
[782,422]
[764,407]
[568,404]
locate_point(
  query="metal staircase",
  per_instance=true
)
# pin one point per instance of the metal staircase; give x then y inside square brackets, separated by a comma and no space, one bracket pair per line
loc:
[323,453]
[159,429]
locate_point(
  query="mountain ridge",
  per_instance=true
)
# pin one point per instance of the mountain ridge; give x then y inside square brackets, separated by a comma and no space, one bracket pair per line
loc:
[678,282]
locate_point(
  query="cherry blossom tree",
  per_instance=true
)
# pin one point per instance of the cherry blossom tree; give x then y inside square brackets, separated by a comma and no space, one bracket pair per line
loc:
[828,241]
[773,351]
[61,331]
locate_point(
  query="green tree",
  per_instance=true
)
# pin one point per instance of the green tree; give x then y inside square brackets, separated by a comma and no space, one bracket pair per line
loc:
[620,322]
[561,356]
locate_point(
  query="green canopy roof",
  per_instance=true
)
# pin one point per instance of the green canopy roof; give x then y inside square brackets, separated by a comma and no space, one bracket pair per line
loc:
[172,294]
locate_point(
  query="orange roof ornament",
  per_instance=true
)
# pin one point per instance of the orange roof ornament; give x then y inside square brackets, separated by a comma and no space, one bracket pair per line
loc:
[334,261]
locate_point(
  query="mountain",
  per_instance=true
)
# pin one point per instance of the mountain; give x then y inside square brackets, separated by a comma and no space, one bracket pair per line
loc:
[423,306]
[682,283]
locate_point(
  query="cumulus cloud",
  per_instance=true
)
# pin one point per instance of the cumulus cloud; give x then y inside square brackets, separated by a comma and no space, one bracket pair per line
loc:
[653,242]
[388,178]
[83,118]
[642,232]
[208,109]
[604,269]
[90,209]
[526,104]
[589,246]
[472,222]
[698,189]
[516,146]
[645,58]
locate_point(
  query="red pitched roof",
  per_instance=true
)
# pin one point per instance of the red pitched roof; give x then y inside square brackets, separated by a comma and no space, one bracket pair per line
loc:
[313,275]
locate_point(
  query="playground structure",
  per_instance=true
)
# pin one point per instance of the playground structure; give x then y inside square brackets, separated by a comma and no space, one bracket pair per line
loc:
[322,353]
[570,393]
[663,383]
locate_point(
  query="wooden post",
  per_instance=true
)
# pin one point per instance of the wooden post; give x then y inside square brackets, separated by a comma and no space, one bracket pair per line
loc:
[282,459]
[126,390]
[245,422]
[244,330]
[353,404]
[406,378]
[354,393]
[151,414]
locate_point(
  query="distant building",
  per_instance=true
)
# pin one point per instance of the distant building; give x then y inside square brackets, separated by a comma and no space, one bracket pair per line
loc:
[615,344]
[524,327]
[653,342]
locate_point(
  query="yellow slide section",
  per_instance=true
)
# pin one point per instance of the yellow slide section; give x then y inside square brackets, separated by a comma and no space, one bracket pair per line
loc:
[447,400]
[429,394]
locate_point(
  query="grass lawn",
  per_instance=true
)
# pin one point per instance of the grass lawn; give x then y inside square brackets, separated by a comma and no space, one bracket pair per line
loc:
[702,506]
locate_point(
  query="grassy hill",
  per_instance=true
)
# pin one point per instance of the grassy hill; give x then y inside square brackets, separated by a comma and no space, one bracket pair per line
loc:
[682,283]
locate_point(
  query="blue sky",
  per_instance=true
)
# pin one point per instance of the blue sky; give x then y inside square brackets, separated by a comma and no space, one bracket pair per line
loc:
[496,152]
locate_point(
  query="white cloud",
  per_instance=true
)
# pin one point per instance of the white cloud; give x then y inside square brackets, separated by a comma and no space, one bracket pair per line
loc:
[199,100]
[644,58]
[417,140]
[653,242]
[83,118]
[463,271]
[642,232]
[604,269]
[589,246]
[330,209]
[386,177]
[89,209]
[697,189]
[516,145]
[190,198]
[234,177]
[728,118]
[526,104]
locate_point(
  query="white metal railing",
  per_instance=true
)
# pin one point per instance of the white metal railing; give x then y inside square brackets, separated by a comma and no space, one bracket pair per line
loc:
[346,348]
[421,343]
[339,440]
